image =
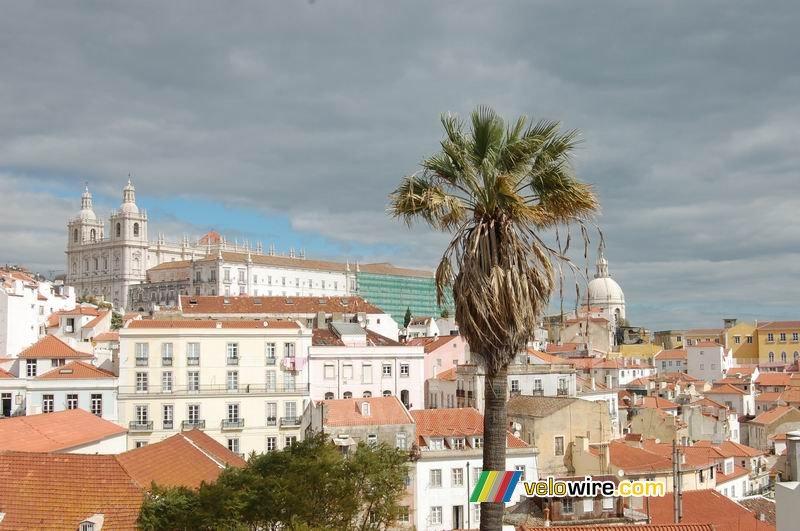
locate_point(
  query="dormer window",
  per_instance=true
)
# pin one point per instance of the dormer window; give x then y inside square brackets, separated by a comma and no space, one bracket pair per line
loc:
[365,409]
[86,526]
[436,443]
[477,442]
[458,443]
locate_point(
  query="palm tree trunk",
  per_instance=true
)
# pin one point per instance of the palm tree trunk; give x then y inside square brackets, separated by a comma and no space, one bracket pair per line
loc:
[494,442]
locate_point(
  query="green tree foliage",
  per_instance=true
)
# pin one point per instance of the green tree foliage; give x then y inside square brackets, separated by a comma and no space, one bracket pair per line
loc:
[116,321]
[407,318]
[309,486]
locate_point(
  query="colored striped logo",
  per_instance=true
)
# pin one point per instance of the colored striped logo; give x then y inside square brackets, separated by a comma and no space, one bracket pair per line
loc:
[495,486]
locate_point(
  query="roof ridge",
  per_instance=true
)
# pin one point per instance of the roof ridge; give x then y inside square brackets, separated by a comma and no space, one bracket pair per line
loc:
[216,459]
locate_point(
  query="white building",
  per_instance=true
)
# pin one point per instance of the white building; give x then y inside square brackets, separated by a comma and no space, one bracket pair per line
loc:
[450,464]
[422,327]
[618,372]
[347,361]
[739,400]
[672,360]
[25,305]
[594,391]
[605,293]
[75,385]
[707,360]
[80,325]
[245,383]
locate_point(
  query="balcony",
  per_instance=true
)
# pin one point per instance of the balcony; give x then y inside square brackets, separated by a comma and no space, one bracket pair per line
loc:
[166,362]
[233,361]
[290,422]
[168,425]
[140,426]
[141,362]
[192,424]
[232,424]
[538,392]
[192,361]
[217,389]
[272,421]
[271,361]
[562,392]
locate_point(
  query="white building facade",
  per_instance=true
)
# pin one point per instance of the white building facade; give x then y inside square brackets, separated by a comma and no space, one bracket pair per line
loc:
[707,361]
[245,383]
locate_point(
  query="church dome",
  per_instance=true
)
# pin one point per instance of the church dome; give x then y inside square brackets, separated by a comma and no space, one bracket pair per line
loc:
[86,213]
[604,291]
[129,199]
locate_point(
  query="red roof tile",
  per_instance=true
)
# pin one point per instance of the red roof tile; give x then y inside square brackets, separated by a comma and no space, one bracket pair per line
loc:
[774,378]
[454,422]
[549,358]
[768,417]
[53,348]
[431,343]
[210,305]
[671,354]
[779,325]
[449,375]
[76,370]
[4,374]
[382,410]
[321,337]
[707,507]
[209,323]
[53,432]
[94,322]
[725,389]
[768,397]
[59,491]
[632,527]
[107,336]
[81,310]
[658,403]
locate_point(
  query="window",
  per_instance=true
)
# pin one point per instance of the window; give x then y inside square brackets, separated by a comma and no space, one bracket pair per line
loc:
[403,515]
[330,372]
[737,339]
[404,370]
[289,440]
[436,515]
[193,353]
[372,439]
[289,382]
[269,350]
[140,444]
[366,373]
[347,371]
[233,444]
[795,336]
[241,276]
[272,413]
[233,381]
[458,477]
[387,370]
[290,410]
[608,504]
[142,415]
[559,445]
[193,381]
[401,440]
[521,470]
[272,444]
[783,336]
[347,394]
[749,339]
[30,367]
[141,382]
[166,382]
[436,477]
[567,506]
[226,275]
[771,357]
[783,357]
[233,351]
[86,526]
[515,386]
[387,392]
[167,416]
[367,394]
[193,413]
[233,412]
[97,405]
[770,338]
[48,402]
[588,505]
[75,235]
[436,443]
[288,350]
[328,396]
[458,443]
[166,354]
[271,380]
[537,384]
[477,442]
[476,512]
[136,230]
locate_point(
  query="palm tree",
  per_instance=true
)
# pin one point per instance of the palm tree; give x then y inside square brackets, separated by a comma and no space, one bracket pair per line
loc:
[497,190]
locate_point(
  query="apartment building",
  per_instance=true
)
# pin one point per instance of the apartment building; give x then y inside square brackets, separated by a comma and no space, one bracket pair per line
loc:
[707,360]
[779,342]
[245,383]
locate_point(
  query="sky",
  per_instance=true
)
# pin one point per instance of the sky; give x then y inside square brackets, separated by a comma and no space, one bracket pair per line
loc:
[291,121]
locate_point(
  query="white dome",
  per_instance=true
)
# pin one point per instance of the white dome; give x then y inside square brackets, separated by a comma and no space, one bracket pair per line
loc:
[605,291]
[86,213]
[129,199]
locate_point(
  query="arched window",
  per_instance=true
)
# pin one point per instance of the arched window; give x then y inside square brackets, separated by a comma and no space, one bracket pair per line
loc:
[771,357]
[367,394]
[365,408]
[783,357]
[119,230]
[135,230]
[93,235]
[404,398]
[328,396]
[86,265]
[105,262]
[96,263]
[387,393]
[75,235]
[347,394]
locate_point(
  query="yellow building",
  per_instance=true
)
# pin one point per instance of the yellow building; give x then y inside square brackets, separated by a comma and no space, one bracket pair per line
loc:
[692,337]
[642,351]
[741,340]
[778,341]
[669,339]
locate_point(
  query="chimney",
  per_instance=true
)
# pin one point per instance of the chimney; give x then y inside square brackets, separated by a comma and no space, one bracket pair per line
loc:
[793,454]
[547,516]
[593,384]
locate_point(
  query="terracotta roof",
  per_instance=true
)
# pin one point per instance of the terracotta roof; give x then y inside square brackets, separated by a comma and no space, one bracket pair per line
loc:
[211,236]
[94,322]
[53,432]
[768,397]
[54,348]
[210,323]
[431,343]
[791,394]
[107,336]
[639,382]
[734,449]
[705,344]
[742,370]
[80,310]
[708,507]
[449,375]
[321,337]
[549,358]
[693,456]
[731,380]
[246,304]
[454,422]
[768,417]
[584,385]
[760,505]
[725,389]
[737,472]
[178,461]
[779,325]
[671,354]
[773,378]
[59,491]
[708,403]
[633,459]
[174,264]
[631,527]
[658,403]
[5,375]
[566,347]
[53,320]
[382,410]
[618,363]
[537,406]
[76,370]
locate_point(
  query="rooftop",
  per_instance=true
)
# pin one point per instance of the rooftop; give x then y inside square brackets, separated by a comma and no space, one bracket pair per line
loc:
[54,432]
[459,422]
[779,325]
[774,378]
[330,338]
[537,406]
[671,354]
[210,323]
[725,389]
[275,305]
[382,410]
[431,343]
[768,417]
[53,348]
[76,370]
[708,507]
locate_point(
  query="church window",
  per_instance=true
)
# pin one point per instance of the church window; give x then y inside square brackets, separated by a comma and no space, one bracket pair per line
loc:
[119,230]
[75,235]
[93,235]
[135,230]
[86,265]
[105,263]
[96,264]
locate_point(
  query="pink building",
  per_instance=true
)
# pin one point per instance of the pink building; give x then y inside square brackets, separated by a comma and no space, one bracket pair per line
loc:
[441,353]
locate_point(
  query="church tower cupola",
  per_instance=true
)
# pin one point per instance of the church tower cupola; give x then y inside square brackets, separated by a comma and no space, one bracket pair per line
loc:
[129,199]
[86,213]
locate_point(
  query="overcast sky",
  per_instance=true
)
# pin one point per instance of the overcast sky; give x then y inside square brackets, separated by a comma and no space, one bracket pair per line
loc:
[291,121]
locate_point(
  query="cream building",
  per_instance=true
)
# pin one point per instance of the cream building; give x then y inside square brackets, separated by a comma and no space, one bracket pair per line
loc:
[605,293]
[245,383]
